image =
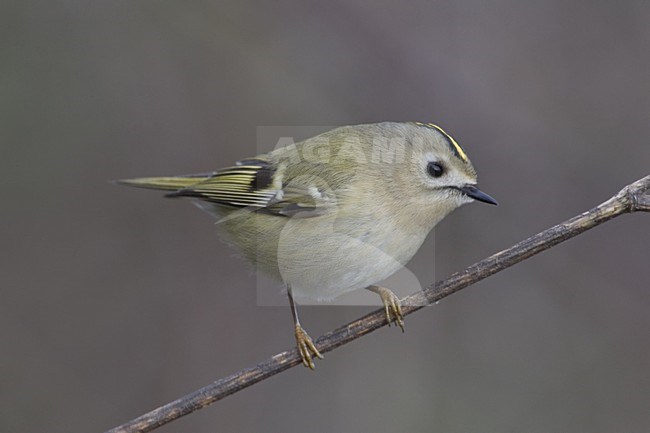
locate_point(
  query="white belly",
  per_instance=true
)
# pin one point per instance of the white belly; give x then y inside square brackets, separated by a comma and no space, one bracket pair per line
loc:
[322,257]
[328,264]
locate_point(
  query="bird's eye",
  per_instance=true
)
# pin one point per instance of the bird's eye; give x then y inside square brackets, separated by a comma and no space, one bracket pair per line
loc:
[435,169]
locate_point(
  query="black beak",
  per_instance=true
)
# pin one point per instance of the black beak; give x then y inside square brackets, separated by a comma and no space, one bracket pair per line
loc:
[477,194]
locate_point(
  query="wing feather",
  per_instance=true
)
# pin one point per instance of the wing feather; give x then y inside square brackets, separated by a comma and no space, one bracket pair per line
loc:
[239,186]
[257,184]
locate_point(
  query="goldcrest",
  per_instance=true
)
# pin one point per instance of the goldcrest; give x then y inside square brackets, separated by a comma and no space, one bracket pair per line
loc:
[337,212]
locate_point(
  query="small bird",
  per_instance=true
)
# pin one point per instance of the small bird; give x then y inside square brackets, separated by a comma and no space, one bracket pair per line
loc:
[337,212]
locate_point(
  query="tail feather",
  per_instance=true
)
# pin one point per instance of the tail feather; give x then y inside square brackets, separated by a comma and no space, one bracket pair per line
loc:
[170,183]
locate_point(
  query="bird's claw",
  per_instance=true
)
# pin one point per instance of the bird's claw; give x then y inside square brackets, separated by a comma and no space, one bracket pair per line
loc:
[306,347]
[392,306]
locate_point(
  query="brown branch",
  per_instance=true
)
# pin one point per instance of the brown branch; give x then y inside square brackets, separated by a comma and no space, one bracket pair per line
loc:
[632,198]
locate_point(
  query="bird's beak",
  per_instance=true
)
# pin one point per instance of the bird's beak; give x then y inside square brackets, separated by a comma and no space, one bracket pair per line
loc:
[475,193]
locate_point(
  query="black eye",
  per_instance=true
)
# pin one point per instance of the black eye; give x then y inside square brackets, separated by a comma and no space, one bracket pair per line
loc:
[435,169]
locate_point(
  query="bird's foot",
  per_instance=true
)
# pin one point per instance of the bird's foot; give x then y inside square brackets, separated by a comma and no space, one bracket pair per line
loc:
[306,347]
[392,306]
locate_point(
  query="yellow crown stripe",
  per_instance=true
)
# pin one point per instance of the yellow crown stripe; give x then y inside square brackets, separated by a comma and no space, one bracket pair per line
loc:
[458,150]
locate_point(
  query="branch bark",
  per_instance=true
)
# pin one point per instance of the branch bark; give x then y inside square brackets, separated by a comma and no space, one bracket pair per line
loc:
[634,197]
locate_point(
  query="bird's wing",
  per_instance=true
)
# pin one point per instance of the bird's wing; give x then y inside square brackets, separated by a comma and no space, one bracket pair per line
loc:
[263,186]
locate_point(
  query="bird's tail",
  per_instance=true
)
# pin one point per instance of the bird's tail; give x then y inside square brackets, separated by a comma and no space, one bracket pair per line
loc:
[169,183]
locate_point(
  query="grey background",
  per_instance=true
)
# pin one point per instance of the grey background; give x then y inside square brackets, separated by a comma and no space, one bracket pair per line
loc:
[114,300]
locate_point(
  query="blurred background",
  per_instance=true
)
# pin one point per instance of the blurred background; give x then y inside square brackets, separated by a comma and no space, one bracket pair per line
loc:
[114,301]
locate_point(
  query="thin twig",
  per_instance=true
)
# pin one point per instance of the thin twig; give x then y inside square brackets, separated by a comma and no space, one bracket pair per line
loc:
[632,198]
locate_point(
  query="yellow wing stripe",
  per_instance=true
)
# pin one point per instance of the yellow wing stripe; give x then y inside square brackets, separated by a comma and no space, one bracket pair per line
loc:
[235,186]
[239,185]
[170,183]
